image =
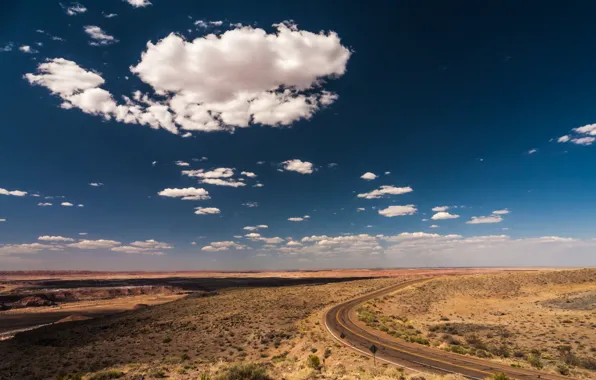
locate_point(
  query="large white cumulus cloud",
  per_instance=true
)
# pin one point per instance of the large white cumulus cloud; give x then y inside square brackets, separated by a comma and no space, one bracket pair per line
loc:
[241,77]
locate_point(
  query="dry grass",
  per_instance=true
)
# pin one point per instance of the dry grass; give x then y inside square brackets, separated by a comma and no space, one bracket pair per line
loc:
[187,336]
[543,320]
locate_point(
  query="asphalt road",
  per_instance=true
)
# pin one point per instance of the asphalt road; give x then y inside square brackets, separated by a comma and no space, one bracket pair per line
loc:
[340,321]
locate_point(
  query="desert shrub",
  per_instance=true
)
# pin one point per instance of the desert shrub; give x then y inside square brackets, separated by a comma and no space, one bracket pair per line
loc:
[327,353]
[501,350]
[568,356]
[419,340]
[500,376]
[457,350]
[534,360]
[167,339]
[313,350]
[563,369]
[340,369]
[476,342]
[184,357]
[106,375]
[449,339]
[313,361]
[280,357]
[588,363]
[157,373]
[244,371]
[204,376]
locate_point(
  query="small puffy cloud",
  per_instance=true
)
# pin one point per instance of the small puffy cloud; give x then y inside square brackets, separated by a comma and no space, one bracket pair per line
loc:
[332,165]
[14,193]
[109,15]
[139,3]
[444,215]
[214,173]
[6,48]
[2,219]
[398,210]
[258,185]
[95,244]
[136,250]
[182,163]
[254,228]
[83,233]
[580,136]
[218,177]
[257,237]
[249,174]
[589,129]
[18,249]
[54,238]
[80,205]
[485,219]
[73,9]
[207,24]
[434,226]
[215,246]
[66,204]
[99,37]
[250,204]
[27,49]
[44,204]
[368,176]
[385,190]
[150,247]
[151,244]
[186,194]
[387,173]
[440,208]
[583,140]
[532,151]
[295,165]
[222,182]
[360,209]
[501,212]
[296,219]
[96,184]
[207,210]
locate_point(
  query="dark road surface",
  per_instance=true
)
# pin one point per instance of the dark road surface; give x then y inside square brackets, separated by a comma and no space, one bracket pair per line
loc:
[339,320]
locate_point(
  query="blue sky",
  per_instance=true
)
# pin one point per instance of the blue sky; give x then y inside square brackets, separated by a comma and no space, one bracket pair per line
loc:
[277,111]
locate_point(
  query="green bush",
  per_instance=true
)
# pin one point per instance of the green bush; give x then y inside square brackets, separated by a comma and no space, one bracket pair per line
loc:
[313,361]
[244,371]
[500,376]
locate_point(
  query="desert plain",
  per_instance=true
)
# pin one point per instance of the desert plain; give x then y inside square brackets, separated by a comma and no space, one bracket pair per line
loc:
[215,325]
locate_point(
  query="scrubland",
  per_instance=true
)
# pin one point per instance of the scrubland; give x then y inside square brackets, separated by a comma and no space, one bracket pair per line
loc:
[540,320]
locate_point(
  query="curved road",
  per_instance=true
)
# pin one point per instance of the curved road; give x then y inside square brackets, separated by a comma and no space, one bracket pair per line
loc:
[340,321]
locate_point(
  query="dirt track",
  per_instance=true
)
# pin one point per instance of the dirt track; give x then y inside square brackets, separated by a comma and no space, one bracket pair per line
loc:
[339,320]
